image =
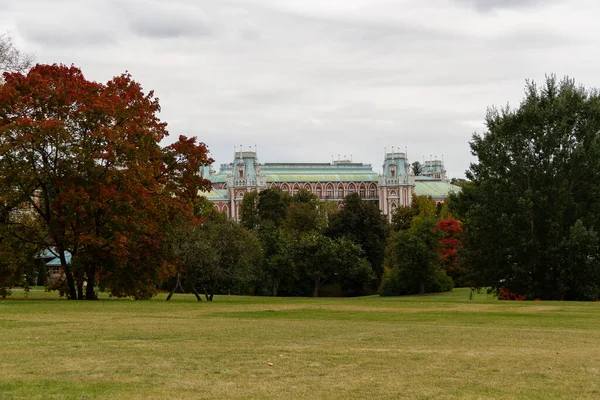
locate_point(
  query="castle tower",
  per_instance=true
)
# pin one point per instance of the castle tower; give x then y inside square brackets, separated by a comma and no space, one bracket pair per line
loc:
[245,177]
[435,169]
[396,183]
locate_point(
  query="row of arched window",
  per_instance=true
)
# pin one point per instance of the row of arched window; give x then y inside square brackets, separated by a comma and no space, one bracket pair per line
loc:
[330,190]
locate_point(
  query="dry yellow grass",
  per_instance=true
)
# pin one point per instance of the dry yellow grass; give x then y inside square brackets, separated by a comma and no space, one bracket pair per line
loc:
[431,347]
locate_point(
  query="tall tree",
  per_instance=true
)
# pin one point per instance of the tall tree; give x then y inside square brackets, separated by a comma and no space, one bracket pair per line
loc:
[220,255]
[305,213]
[533,206]
[278,268]
[273,205]
[249,211]
[313,256]
[362,223]
[85,158]
[417,168]
[414,264]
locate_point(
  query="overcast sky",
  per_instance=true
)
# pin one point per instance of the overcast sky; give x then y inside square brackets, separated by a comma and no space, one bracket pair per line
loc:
[307,79]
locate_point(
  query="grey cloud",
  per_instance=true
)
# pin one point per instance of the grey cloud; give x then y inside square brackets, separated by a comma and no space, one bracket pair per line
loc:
[305,79]
[76,25]
[536,39]
[65,36]
[167,20]
[490,5]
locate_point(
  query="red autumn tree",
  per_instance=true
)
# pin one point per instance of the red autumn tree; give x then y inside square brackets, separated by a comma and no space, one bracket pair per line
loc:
[86,159]
[450,244]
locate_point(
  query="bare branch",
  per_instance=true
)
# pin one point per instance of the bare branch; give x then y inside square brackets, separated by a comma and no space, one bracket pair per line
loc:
[11,58]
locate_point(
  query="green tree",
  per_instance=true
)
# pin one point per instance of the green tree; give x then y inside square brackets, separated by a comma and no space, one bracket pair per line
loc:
[273,205]
[18,248]
[420,206]
[532,210]
[362,223]
[219,256]
[249,211]
[313,256]
[414,264]
[278,268]
[206,210]
[351,269]
[305,213]
[417,168]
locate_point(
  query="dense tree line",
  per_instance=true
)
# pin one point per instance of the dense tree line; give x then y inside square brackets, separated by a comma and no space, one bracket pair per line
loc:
[82,172]
[532,209]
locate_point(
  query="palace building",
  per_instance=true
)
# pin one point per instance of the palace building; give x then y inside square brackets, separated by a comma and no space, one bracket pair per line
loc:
[333,181]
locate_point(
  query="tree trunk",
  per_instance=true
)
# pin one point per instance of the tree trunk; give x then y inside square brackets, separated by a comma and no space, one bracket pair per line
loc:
[91,279]
[67,271]
[196,293]
[274,288]
[177,285]
[79,289]
[422,291]
[42,274]
[316,290]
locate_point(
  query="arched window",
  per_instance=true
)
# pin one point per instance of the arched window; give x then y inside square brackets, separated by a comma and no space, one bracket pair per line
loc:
[362,191]
[372,191]
[340,191]
[329,191]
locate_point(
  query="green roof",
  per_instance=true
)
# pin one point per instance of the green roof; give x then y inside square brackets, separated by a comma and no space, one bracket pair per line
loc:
[216,194]
[56,261]
[317,172]
[321,177]
[435,189]
[218,178]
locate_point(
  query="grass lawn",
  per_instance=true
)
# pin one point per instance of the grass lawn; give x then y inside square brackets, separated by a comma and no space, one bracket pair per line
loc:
[416,347]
